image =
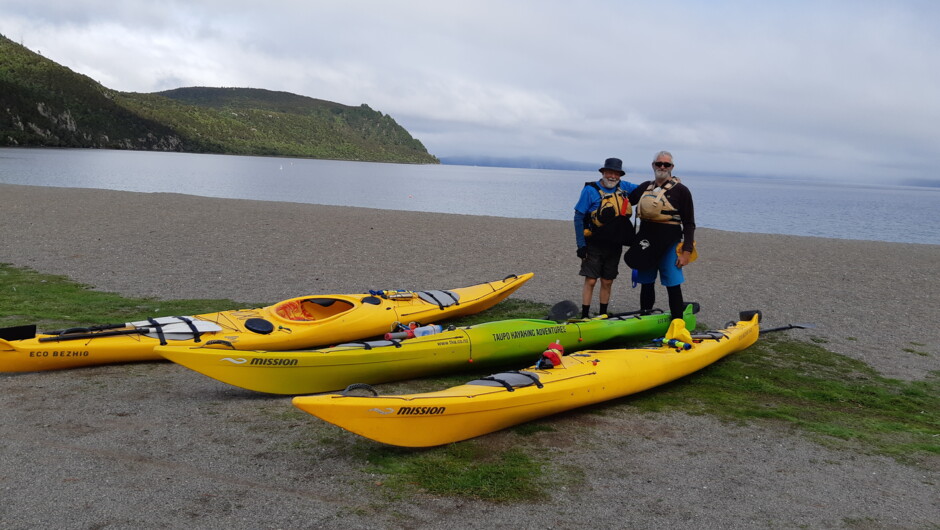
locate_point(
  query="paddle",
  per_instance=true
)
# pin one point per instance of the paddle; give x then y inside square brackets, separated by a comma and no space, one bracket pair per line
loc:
[695,309]
[567,310]
[93,334]
[640,312]
[716,335]
[201,324]
[172,329]
[748,315]
[789,326]
[87,329]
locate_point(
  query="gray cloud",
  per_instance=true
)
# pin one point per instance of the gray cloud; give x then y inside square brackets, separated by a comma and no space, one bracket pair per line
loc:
[841,89]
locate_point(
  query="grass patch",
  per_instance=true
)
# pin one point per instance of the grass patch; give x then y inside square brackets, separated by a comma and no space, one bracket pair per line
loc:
[532,427]
[467,469]
[505,310]
[837,400]
[28,297]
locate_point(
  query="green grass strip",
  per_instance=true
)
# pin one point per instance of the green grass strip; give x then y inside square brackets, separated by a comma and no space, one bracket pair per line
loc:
[467,469]
[28,297]
[837,400]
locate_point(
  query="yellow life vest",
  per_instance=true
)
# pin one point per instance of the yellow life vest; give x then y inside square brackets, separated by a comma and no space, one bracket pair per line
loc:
[655,207]
[613,213]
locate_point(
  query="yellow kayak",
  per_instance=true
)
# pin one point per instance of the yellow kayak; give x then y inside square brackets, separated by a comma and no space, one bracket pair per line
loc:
[297,323]
[509,398]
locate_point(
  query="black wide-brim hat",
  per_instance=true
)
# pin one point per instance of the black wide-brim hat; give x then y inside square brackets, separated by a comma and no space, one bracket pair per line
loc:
[614,164]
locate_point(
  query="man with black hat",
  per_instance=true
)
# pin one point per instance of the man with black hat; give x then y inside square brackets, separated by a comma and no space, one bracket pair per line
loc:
[601,227]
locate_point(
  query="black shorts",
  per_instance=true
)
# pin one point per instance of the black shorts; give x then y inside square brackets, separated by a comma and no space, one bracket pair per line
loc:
[601,262]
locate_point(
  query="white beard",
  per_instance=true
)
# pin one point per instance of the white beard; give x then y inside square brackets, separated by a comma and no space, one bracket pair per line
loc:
[610,184]
[662,175]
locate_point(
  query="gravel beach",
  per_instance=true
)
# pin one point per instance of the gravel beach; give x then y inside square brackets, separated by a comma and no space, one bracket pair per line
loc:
[154,445]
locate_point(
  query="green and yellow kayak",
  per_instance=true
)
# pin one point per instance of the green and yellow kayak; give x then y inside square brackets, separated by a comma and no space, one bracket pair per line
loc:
[451,350]
[509,398]
[302,322]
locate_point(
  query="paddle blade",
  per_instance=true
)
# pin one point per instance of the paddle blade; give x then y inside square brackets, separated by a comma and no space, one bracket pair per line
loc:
[18,332]
[789,326]
[563,311]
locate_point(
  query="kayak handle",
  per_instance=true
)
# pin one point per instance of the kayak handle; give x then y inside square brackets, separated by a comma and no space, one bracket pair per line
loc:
[360,386]
[220,342]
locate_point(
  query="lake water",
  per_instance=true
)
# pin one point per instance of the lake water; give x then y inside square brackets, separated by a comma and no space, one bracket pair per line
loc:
[742,204]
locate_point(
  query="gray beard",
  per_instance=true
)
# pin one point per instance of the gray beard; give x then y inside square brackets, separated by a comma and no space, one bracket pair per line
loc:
[662,174]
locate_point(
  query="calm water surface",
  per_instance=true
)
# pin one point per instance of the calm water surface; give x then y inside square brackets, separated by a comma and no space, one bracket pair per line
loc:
[774,206]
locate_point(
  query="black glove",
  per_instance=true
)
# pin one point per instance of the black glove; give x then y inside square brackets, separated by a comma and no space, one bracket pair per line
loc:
[582,252]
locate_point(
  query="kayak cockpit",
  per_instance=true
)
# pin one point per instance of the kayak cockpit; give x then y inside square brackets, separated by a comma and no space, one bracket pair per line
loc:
[310,309]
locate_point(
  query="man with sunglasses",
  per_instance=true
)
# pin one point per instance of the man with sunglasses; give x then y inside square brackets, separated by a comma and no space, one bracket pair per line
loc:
[601,227]
[667,219]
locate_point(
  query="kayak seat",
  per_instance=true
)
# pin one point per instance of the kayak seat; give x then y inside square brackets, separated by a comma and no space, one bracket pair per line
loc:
[311,309]
[441,298]
[509,380]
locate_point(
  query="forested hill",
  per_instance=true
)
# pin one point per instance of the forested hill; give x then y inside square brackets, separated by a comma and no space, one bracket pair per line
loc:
[43,103]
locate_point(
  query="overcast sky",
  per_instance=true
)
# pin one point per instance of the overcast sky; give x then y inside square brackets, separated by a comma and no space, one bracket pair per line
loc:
[794,88]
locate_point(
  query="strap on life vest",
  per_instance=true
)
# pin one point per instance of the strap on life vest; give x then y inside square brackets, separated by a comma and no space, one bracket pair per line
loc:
[624,203]
[595,225]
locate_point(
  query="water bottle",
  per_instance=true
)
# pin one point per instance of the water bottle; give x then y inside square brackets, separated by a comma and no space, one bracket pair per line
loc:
[421,331]
[430,329]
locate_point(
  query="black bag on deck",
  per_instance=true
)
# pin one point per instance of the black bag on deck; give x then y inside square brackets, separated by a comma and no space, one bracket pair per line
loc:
[652,241]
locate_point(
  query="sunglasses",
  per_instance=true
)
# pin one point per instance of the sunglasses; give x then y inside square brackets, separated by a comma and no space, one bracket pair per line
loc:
[662,164]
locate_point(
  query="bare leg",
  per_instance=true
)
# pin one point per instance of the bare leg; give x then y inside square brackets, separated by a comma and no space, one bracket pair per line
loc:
[587,293]
[606,287]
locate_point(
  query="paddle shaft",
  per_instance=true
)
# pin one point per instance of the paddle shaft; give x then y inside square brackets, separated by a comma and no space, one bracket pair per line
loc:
[92,335]
[789,326]
[90,329]
[105,327]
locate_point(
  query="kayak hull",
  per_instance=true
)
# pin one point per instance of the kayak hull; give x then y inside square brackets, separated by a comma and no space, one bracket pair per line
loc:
[453,350]
[467,411]
[302,322]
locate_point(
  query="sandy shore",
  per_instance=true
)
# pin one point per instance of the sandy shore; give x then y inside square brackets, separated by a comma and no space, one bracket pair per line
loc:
[84,448]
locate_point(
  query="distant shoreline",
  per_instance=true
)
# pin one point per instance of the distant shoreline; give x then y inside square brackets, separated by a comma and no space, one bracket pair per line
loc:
[468,190]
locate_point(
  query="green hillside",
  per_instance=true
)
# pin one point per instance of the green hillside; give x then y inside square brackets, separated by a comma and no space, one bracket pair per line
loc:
[45,104]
